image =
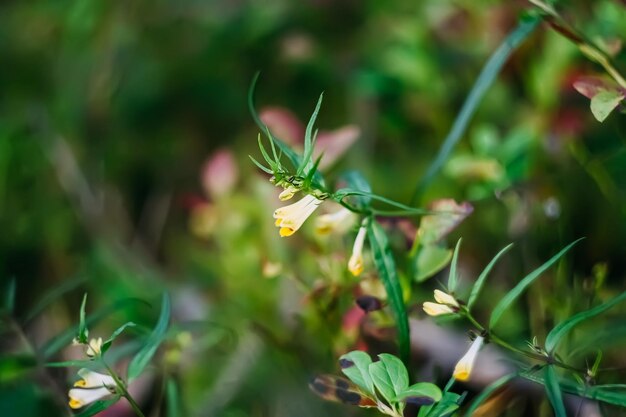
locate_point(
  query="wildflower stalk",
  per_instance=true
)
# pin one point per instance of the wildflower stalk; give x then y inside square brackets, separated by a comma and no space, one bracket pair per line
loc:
[122,389]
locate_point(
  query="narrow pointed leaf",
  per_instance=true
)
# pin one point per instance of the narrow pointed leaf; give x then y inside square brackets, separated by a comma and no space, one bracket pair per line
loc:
[107,344]
[553,391]
[83,333]
[483,277]
[386,266]
[488,391]
[453,278]
[512,295]
[309,140]
[556,334]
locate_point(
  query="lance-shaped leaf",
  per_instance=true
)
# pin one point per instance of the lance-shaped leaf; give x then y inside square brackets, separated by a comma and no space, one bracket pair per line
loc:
[309,141]
[107,344]
[386,266]
[333,388]
[556,334]
[453,277]
[553,390]
[83,332]
[143,357]
[446,407]
[390,376]
[355,365]
[512,295]
[483,277]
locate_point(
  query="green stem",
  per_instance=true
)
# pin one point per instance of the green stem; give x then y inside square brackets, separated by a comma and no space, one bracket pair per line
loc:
[122,387]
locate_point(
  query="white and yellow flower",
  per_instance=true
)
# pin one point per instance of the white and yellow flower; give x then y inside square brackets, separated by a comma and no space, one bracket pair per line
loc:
[290,218]
[288,193]
[94,348]
[446,304]
[338,222]
[463,368]
[91,387]
[355,264]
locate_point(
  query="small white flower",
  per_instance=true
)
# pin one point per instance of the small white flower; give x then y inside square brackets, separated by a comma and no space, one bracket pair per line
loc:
[339,221]
[445,298]
[436,309]
[287,193]
[355,264]
[92,387]
[290,218]
[94,348]
[463,368]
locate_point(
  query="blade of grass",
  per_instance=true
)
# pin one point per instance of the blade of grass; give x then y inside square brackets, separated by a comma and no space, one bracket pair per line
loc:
[453,278]
[385,264]
[553,391]
[486,393]
[483,277]
[512,295]
[487,76]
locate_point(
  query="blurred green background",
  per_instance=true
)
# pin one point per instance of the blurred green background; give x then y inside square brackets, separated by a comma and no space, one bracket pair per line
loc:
[112,118]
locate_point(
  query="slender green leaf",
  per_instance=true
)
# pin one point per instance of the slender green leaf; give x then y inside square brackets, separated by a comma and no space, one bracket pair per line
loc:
[556,334]
[83,332]
[512,295]
[143,357]
[453,278]
[446,407]
[309,140]
[174,406]
[421,390]
[386,266]
[83,363]
[553,390]
[483,277]
[9,299]
[357,181]
[429,260]
[487,76]
[107,344]
[97,407]
[487,391]
[355,365]
[54,294]
[603,103]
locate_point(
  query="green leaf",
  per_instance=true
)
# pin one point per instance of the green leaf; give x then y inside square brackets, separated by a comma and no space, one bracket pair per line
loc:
[143,357]
[174,407]
[386,266]
[9,298]
[553,390]
[444,408]
[421,390]
[16,366]
[356,181]
[603,103]
[512,295]
[107,344]
[97,407]
[429,260]
[483,277]
[389,376]
[355,365]
[487,391]
[556,334]
[453,278]
[83,363]
[83,332]
[309,141]
[487,76]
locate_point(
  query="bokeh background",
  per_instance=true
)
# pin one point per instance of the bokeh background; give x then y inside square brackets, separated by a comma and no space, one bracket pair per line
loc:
[124,172]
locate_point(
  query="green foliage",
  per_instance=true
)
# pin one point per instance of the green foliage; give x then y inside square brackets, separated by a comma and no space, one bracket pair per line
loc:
[453,277]
[604,102]
[482,278]
[553,390]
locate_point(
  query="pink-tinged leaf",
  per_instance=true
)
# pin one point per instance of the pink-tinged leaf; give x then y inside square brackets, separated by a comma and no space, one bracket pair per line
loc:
[283,124]
[434,227]
[590,86]
[603,103]
[219,173]
[334,144]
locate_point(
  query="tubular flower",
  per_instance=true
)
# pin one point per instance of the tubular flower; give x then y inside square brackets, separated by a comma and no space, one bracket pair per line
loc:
[290,218]
[94,348]
[92,387]
[355,264]
[463,368]
[338,221]
[446,304]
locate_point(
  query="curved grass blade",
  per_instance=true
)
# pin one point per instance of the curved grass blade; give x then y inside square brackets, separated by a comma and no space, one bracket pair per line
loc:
[553,390]
[143,357]
[453,278]
[83,332]
[490,389]
[556,334]
[483,277]
[309,140]
[523,284]
[97,407]
[386,266]
[107,344]
[487,76]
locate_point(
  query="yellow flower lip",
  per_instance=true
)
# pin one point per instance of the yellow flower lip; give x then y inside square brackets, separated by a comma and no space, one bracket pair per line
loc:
[91,387]
[290,218]
[463,368]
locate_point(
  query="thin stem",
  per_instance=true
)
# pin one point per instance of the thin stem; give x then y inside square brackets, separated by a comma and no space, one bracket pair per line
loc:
[122,387]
